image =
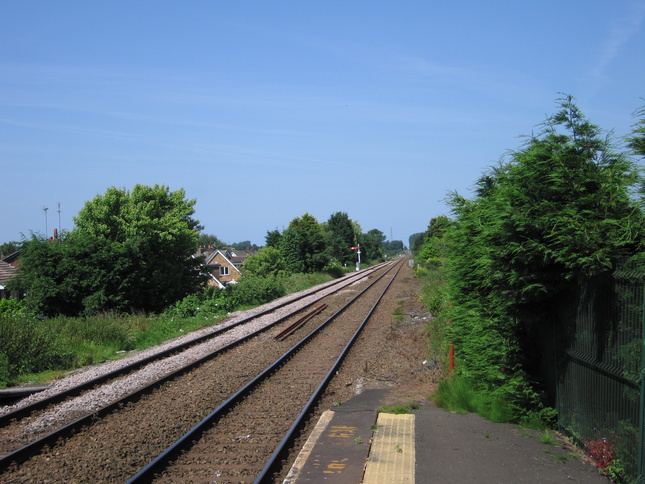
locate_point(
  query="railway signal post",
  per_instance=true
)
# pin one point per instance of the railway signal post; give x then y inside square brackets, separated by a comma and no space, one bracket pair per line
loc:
[358,251]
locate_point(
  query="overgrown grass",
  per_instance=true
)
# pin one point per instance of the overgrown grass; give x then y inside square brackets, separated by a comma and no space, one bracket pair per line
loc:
[300,282]
[458,394]
[434,295]
[400,408]
[547,438]
[38,350]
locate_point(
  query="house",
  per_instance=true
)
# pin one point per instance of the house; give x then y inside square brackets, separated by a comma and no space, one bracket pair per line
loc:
[237,257]
[7,272]
[221,269]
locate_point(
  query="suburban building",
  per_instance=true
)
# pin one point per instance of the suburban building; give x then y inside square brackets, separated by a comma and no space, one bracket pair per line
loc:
[7,272]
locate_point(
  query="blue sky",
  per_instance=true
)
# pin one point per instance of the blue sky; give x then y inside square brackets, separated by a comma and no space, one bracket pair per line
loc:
[265,110]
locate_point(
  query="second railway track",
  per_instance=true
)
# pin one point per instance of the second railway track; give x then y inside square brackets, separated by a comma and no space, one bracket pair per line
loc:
[117,446]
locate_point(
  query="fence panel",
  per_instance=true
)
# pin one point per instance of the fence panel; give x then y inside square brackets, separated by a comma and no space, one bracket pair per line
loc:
[599,372]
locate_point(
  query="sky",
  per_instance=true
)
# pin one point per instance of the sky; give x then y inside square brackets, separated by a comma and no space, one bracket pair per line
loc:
[263,111]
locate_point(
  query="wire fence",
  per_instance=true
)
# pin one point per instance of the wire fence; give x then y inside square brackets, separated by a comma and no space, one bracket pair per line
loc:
[600,397]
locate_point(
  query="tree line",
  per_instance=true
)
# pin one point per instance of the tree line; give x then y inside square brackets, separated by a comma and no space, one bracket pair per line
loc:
[136,250]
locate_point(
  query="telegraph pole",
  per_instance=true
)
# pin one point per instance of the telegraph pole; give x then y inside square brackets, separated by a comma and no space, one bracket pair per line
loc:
[46,228]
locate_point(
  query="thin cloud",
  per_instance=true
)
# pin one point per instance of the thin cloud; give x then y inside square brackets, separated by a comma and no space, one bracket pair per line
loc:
[621,32]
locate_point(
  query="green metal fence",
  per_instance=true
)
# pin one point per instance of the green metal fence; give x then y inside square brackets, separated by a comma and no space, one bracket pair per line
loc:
[599,379]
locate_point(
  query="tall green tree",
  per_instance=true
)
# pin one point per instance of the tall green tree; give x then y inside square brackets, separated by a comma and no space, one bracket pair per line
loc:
[130,250]
[272,238]
[560,209]
[303,246]
[341,236]
[437,227]
[372,244]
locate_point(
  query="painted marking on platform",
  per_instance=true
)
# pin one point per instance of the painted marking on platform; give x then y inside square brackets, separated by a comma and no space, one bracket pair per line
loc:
[307,449]
[340,450]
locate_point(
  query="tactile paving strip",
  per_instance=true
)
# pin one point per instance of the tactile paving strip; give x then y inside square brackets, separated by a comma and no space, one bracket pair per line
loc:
[392,455]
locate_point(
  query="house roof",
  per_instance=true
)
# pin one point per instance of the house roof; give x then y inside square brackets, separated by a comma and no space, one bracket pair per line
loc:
[7,272]
[210,262]
[13,256]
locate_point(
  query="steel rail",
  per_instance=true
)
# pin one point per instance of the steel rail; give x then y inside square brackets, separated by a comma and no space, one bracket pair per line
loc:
[271,465]
[292,328]
[21,412]
[33,448]
[147,473]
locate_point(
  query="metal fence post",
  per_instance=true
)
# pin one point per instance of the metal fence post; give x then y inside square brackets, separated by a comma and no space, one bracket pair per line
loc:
[641,416]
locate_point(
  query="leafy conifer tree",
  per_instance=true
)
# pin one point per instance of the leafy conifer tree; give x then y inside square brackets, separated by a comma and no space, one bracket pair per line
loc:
[558,211]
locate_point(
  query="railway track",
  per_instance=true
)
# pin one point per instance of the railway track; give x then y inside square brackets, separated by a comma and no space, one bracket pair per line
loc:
[156,417]
[47,419]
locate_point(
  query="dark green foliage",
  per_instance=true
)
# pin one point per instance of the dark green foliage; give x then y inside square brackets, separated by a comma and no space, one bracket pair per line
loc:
[416,241]
[437,227]
[556,212]
[291,248]
[393,246]
[208,240]
[272,238]
[28,346]
[251,291]
[335,270]
[306,246]
[130,251]
[372,245]
[434,250]
[340,234]
[302,245]
[267,262]
[636,141]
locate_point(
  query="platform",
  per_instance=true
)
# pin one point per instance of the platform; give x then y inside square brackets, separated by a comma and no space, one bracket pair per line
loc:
[352,444]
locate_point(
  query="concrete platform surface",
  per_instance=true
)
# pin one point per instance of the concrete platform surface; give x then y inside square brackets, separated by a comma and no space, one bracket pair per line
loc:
[350,446]
[338,448]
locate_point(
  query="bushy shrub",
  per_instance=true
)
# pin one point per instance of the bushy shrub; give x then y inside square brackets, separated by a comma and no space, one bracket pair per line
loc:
[251,291]
[11,306]
[5,374]
[30,347]
[109,329]
[335,270]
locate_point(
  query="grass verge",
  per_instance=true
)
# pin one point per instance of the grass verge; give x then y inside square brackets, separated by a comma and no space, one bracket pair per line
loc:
[36,350]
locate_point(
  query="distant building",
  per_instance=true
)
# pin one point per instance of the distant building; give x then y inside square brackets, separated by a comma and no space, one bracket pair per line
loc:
[223,265]
[7,272]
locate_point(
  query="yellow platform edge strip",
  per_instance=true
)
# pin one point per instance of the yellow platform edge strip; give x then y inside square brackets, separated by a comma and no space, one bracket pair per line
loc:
[392,455]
